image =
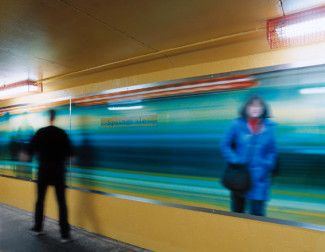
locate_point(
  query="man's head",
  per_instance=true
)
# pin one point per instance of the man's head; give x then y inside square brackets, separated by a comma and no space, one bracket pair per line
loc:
[52,116]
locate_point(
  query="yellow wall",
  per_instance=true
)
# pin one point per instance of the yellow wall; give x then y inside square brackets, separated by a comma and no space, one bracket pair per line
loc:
[161,228]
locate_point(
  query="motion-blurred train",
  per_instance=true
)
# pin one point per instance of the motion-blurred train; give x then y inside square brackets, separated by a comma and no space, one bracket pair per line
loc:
[162,140]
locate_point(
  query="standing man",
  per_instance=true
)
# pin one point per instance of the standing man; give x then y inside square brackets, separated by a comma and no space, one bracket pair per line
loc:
[53,148]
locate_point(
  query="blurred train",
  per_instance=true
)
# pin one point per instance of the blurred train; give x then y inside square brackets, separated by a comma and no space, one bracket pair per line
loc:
[162,141]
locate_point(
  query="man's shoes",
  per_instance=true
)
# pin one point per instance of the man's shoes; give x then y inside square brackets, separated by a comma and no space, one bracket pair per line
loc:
[66,239]
[36,232]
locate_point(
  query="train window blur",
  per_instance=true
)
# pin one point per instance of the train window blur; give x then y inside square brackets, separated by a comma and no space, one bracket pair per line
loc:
[169,148]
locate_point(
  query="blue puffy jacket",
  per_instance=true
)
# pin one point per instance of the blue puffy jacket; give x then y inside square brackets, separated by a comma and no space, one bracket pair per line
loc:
[258,151]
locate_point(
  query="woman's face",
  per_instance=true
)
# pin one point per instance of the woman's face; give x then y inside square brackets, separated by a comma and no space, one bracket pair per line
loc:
[255,109]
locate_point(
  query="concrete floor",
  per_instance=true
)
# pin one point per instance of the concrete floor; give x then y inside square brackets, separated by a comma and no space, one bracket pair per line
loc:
[15,237]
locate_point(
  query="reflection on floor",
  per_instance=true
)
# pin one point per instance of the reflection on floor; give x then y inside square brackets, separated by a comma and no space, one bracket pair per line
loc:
[15,237]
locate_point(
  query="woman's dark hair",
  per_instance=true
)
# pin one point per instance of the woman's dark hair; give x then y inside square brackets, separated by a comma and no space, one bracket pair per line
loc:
[265,113]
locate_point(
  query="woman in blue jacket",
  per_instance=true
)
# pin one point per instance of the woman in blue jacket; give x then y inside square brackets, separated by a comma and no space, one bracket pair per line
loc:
[250,141]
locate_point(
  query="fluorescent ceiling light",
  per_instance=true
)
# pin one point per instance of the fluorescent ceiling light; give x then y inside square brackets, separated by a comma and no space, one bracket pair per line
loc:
[14,91]
[45,100]
[128,102]
[304,28]
[125,108]
[319,90]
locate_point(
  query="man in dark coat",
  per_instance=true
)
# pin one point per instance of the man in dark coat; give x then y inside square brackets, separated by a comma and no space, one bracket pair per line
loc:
[53,148]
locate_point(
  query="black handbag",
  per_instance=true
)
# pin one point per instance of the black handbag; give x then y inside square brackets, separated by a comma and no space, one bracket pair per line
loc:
[237,178]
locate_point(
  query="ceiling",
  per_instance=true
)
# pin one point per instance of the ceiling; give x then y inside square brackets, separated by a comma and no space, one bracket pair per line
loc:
[41,39]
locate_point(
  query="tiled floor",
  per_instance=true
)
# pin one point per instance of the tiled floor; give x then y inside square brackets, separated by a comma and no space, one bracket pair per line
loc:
[15,237]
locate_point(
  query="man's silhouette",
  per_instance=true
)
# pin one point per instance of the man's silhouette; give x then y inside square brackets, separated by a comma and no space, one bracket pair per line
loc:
[52,146]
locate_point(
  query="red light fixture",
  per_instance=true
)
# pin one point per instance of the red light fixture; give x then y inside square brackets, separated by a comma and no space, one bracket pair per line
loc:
[172,89]
[296,29]
[19,88]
